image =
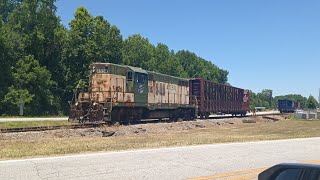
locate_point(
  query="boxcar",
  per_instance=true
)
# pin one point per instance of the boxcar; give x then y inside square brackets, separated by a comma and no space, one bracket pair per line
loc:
[287,106]
[214,98]
[124,93]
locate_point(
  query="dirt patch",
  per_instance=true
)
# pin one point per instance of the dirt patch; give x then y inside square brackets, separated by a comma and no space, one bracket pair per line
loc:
[137,129]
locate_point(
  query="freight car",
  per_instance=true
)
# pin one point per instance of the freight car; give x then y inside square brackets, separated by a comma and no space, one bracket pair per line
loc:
[119,93]
[218,98]
[287,106]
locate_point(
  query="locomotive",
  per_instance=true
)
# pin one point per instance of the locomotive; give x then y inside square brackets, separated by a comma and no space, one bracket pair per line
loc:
[120,93]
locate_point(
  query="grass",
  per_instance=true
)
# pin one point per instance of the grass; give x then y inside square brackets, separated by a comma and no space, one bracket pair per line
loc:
[223,134]
[19,124]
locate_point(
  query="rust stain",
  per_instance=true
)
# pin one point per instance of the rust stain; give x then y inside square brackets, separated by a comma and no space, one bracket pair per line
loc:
[128,98]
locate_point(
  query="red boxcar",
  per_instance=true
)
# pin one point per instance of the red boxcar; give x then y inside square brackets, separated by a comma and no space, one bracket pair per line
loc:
[214,98]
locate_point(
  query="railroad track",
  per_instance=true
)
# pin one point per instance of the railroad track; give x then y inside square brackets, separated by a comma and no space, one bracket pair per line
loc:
[83,126]
[47,128]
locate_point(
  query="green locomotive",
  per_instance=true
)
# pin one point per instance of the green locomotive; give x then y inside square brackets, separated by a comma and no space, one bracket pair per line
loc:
[119,93]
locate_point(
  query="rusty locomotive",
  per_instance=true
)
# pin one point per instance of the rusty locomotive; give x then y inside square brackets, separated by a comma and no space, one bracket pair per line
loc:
[120,93]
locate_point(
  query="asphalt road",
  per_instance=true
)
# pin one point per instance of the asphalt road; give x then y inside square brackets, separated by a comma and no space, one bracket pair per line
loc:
[231,161]
[66,118]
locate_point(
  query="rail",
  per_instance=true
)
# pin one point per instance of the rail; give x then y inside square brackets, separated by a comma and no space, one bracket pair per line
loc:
[47,128]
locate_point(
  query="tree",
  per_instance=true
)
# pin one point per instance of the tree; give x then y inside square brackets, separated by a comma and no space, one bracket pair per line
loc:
[100,36]
[6,8]
[34,44]
[36,21]
[161,55]
[266,97]
[115,45]
[197,67]
[167,62]
[189,63]
[32,84]
[137,51]
[90,39]
[312,102]
[107,41]
[80,48]
[32,28]
[262,99]
[4,67]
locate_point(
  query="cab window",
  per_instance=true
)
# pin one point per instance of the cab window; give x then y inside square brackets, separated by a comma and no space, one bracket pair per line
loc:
[129,76]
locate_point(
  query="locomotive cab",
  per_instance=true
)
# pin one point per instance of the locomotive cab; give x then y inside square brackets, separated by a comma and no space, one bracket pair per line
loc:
[110,87]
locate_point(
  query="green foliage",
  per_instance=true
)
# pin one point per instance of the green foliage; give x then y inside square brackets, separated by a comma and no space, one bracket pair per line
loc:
[32,84]
[195,67]
[167,62]
[137,51]
[79,50]
[262,99]
[14,96]
[90,39]
[6,7]
[108,42]
[42,62]
[312,102]
[36,21]
[4,67]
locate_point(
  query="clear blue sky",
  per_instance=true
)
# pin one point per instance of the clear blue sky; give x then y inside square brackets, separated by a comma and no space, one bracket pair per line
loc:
[263,44]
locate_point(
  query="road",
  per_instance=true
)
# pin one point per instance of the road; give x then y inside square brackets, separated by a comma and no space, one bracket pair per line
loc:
[231,161]
[66,118]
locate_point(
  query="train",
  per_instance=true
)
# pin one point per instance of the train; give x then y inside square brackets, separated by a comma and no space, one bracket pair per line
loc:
[121,93]
[288,106]
[215,98]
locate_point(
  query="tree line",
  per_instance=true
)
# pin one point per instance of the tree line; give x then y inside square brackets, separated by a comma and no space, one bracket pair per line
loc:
[266,99]
[42,61]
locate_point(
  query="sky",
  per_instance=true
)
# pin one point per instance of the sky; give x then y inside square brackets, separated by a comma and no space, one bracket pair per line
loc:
[264,44]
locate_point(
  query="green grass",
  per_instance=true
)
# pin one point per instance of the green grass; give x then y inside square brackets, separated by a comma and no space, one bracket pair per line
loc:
[287,129]
[19,124]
